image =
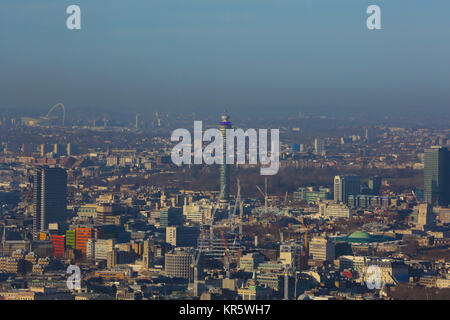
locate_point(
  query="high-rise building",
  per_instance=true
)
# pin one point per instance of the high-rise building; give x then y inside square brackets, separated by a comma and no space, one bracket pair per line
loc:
[437,176]
[345,186]
[90,249]
[367,134]
[374,185]
[147,254]
[182,236]
[72,149]
[319,146]
[224,167]
[425,218]
[59,149]
[49,198]
[170,216]
[44,149]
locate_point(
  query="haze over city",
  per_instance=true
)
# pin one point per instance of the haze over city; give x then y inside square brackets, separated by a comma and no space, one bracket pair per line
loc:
[270,57]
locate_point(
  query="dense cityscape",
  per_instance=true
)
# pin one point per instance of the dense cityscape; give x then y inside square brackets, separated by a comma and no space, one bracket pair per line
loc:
[224,159]
[359,210]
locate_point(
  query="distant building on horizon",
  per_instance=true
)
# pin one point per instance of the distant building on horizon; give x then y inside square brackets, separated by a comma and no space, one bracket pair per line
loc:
[319,146]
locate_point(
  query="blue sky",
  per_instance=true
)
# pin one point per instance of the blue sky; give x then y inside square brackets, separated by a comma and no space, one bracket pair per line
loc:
[268,56]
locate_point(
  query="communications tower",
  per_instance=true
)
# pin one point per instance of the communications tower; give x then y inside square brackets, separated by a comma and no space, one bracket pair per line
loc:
[224,167]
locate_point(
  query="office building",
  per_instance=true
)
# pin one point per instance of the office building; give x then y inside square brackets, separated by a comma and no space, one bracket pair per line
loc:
[294,255]
[58,245]
[98,249]
[334,210]
[319,146]
[182,236]
[107,214]
[312,194]
[147,254]
[437,176]
[374,185]
[81,238]
[44,149]
[322,249]
[59,149]
[345,186]
[370,202]
[103,247]
[49,198]
[178,264]
[444,214]
[87,211]
[72,149]
[425,218]
[70,239]
[250,261]
[170,216]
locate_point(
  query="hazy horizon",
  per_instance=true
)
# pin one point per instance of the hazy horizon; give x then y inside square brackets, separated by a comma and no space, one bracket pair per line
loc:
[246,56]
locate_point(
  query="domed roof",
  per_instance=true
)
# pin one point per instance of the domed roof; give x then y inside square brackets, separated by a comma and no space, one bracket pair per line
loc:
[359,235]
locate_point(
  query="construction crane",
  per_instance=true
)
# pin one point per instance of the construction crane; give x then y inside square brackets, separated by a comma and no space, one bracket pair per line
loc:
[226,257]
[241,208]
[265,195]
[195,267]
[237,257]
[211,229]
[196,259]
[238,202]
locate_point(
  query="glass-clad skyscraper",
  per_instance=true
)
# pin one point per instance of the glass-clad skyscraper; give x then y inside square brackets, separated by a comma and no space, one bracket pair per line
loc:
[437,176]
[49,198]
